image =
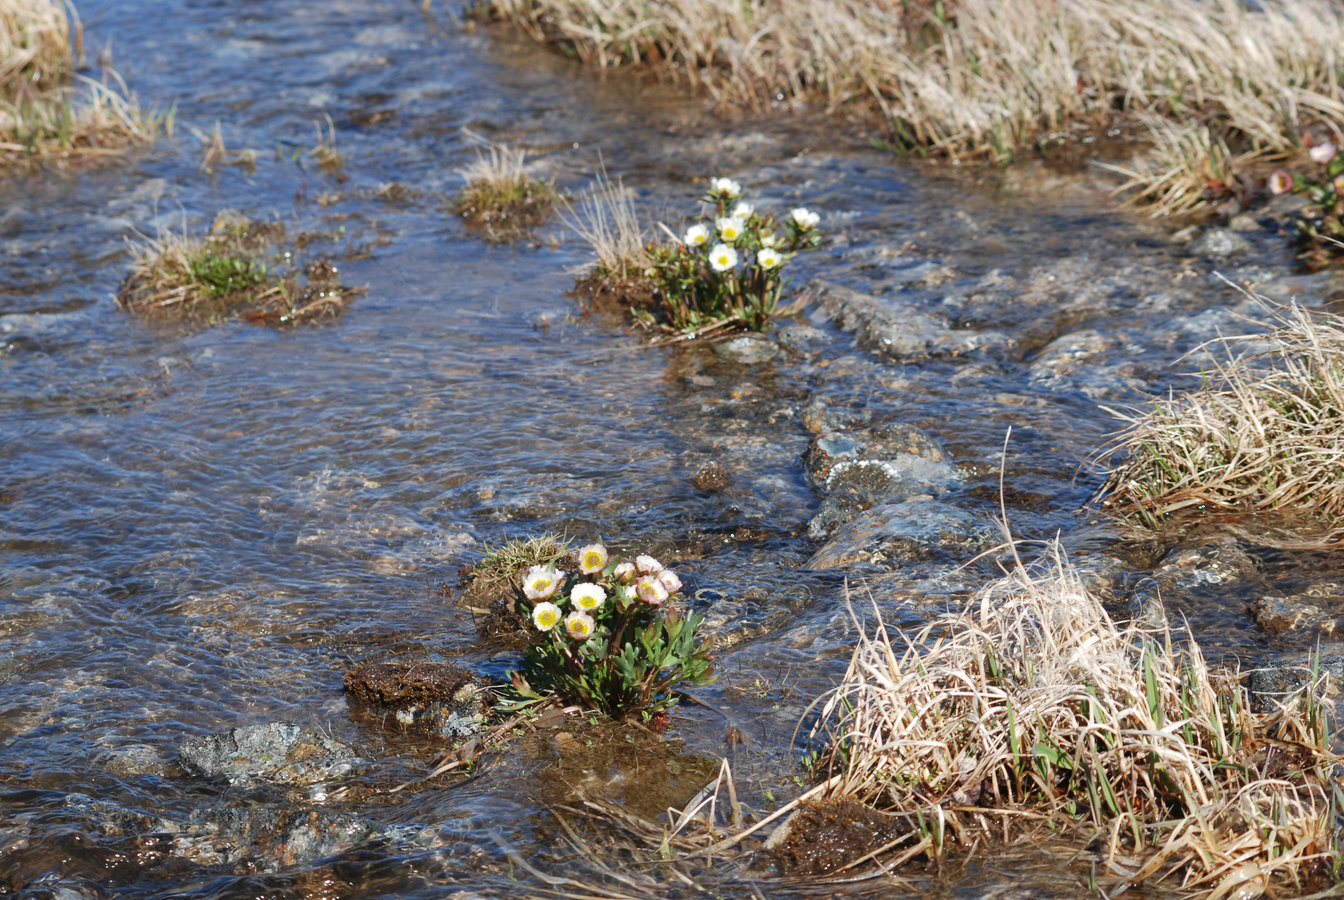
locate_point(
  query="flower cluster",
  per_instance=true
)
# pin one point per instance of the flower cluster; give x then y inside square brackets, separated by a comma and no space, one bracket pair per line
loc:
[726,268]
[607,634]
[1319,232]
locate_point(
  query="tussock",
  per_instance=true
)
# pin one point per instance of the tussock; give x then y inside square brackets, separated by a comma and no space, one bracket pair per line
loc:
[43,111]
[1265,432]
[607,220]
[501,197]
[991,78]
[1031,708]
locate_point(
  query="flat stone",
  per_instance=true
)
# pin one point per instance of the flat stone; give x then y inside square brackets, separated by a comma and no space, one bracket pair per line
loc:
[1277,615]
[1220,242]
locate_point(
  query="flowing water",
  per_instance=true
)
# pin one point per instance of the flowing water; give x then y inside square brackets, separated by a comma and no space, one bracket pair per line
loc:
[204,529]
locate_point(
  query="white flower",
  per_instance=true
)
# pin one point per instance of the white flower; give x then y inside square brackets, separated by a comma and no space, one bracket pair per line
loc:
[1323,153]
[580,625]
[1338,185]
[541,582]
[1280,182]
[651,590]
[722,258]
[804,218]
[696,235]
[768,258]
[545,615]
[587,596]
[725,187]
[730,228]
[743,210]
[668,579]
[624,572]
[592,558]
[647,565]
[769,240]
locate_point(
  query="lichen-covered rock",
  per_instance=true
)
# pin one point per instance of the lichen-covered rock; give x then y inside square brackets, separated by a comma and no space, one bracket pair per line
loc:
[278,752]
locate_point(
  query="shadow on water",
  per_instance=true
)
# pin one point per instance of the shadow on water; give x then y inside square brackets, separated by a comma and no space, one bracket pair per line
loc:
[203,529]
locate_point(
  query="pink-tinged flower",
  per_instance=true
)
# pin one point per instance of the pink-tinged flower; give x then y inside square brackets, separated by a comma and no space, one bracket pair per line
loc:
[624,572]
[1323,152]
[651,590]
[587,597]
[592,558]
[668,579]
[1280,182]
[647,565]
[540,582]
[545,615]
[1338,185]
[580,625]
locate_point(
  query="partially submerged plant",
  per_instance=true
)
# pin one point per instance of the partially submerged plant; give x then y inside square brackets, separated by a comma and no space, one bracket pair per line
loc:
[41,112]
[1032,705]
[725,271]
[607,635]
[500,197]
[223,275]
[1264,432]
[1318,234]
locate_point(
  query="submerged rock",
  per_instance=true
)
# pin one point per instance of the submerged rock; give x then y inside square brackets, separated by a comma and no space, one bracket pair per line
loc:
[438,697]
[828,834]
[277,752]
[895,328]
[747,349]
[891,534]
[1220,242]
[1219,562]
[1318,611]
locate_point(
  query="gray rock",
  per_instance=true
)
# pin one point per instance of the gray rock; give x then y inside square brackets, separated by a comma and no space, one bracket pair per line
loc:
[278,752]
[266,838]
[1220,242]
[895,533]
[1220,562]
[800,338]
[748,349]
[1316,612]
[897,329]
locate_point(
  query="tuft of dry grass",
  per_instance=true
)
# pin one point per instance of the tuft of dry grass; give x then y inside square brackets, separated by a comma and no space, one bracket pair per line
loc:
[180,278]
[1264,432]
[1032,708]
[501,198]
[35,49]
[992,78]
[43,112]
[607,220]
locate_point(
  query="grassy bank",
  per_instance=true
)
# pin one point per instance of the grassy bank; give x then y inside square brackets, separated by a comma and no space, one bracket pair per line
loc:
[46,110]
[1211,85]
[1032,711]
[1264,433]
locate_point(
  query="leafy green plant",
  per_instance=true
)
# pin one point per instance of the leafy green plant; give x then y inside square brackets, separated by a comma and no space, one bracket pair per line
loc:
[620,647]
[1318,234]
[727,269]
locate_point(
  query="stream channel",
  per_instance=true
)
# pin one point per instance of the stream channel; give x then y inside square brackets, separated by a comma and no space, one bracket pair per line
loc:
[204,529]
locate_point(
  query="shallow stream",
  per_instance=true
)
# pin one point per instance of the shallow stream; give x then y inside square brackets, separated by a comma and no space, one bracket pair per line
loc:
[204,529]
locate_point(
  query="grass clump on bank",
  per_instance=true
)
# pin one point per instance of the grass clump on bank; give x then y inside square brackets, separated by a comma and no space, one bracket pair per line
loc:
[500,198]
[1264,432]
[725,271]
[1211,84]
[1032,709]
[45,109]
[225,275]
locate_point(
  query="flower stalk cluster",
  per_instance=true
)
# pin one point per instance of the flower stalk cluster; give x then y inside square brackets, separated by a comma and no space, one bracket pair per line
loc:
[1318,234]
[607,635]
[727,268]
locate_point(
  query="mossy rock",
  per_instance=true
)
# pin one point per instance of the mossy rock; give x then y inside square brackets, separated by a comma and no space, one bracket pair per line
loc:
[438,697]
